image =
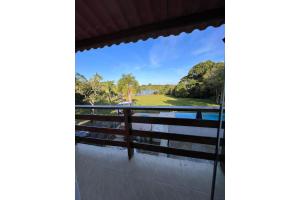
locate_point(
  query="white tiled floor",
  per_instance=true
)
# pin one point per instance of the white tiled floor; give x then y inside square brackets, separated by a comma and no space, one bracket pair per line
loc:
[106,173]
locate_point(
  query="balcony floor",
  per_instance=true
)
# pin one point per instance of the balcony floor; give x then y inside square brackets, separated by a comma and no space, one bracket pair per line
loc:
[106,173]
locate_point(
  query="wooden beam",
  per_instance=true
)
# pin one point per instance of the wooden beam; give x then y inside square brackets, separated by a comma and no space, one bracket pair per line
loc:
[96,141]
[158,108]
[100,118]
[176,121]
[100,130]
[177,137]
[155,120]
[178,152]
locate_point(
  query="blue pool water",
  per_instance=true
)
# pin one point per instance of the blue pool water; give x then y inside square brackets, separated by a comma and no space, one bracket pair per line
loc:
[212,116]
[185,115]
[205,116]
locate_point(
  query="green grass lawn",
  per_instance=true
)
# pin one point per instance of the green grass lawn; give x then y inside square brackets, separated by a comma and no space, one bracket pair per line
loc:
[163,100]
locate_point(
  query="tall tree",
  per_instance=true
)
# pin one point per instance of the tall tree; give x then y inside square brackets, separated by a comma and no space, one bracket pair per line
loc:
[96,89]
[215,81]
[110,90]
[80,86]
[128,86]
[204,80]
[91,90]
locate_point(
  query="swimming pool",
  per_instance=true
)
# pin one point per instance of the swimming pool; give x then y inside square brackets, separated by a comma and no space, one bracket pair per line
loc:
[205,116]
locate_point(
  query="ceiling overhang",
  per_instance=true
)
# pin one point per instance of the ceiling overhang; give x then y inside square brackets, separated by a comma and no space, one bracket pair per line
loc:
[102,23]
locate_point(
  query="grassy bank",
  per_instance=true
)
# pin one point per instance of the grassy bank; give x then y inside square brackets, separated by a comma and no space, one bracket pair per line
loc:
[163,100]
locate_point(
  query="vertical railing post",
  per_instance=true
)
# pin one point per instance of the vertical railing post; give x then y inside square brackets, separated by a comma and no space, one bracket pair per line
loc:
[199,115]
[213,185]
[128,128]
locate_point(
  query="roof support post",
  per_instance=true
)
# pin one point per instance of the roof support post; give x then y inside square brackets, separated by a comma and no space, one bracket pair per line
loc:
[213,185]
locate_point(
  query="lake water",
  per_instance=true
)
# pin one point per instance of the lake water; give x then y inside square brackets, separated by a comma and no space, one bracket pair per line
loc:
[146,92]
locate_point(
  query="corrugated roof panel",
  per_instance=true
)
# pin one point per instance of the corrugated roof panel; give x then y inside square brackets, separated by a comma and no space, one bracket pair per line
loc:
[106,22]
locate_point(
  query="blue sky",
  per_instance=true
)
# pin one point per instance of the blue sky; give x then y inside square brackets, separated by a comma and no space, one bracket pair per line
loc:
[164,60]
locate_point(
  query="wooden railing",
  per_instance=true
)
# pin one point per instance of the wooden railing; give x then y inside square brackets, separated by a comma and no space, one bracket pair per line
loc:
[127,118]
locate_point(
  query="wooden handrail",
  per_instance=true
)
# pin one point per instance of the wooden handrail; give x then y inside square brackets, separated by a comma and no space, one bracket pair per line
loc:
[153,120]
[168,108]
[175,121]
[128,132]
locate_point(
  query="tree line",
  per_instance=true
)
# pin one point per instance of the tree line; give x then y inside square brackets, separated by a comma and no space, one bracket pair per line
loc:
[96,91]
[204,80]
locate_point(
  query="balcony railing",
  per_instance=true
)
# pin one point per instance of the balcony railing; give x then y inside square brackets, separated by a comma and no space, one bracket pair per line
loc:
[128,132]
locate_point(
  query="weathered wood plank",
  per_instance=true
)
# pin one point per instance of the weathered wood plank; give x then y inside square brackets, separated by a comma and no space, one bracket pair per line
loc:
[96,141]
[100,130]
[100,117]
[178,152]
[169,108]
[175,136]
[153,120]
[176,121]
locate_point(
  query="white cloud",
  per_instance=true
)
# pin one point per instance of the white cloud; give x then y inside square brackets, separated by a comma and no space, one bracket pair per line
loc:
[165,48]
[138,67]
[201,50]
[208,43]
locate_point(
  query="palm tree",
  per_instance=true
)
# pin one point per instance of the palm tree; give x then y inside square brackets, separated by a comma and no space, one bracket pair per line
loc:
[128,86]
[110,90]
